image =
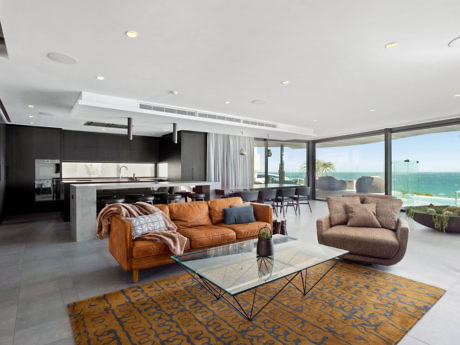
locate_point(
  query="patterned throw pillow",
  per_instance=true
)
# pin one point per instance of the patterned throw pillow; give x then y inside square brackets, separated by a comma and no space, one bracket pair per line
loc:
[151,222]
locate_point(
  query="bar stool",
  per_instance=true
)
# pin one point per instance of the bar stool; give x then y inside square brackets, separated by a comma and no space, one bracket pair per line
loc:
[197,196]
[284,199]
[268,196]
[149,199]
[173,198]
[302,197]
[132,198]
[108,200]
[249,196]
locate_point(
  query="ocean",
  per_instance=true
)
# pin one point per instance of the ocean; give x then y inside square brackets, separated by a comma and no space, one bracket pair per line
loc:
[442,184]
[432,183]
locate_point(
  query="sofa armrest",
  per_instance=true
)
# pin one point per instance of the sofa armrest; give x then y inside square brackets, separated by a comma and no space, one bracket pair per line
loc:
[322,224]
[120,241]
[263,213]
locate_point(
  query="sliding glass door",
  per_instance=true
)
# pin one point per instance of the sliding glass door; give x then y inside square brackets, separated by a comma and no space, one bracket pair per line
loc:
[350,166]
[426,166]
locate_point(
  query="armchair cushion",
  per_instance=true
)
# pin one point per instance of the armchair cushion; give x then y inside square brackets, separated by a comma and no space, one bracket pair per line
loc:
[387,211]
[337,210]
[371,242]
[362,215]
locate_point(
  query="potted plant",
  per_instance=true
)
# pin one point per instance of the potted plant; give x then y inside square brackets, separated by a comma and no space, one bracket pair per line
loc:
[441,218]
[265,241]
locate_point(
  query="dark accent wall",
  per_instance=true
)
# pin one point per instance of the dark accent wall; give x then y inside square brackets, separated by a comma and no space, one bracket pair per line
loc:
[25,144]
[186,159]
[2,165]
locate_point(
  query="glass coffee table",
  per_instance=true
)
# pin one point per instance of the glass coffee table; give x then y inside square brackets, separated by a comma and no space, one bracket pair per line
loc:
[230,270]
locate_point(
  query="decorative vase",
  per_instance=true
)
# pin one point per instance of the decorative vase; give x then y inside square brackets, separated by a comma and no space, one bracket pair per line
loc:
[265,247]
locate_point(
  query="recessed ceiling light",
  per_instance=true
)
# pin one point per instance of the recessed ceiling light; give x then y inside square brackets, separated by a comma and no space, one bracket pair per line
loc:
[100,77]
[30,106]
[174,92]
[227,102]
[457,95]
[391,45]
[285,82]
[31,116]
[131,33]
[61,58]
[371,109]
[315,120]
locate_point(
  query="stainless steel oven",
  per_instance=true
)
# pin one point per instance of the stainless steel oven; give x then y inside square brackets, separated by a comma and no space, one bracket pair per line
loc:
[47,179]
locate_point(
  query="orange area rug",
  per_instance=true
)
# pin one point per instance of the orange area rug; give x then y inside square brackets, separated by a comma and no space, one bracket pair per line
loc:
[353,304]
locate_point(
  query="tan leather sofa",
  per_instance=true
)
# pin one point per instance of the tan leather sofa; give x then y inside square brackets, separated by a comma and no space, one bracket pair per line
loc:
[371,245]
[201,222]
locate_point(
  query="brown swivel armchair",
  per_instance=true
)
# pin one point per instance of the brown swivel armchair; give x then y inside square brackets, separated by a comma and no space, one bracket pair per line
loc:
[371,245]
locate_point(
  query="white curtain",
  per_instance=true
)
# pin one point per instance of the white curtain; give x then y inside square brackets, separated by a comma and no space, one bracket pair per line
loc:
[226,164]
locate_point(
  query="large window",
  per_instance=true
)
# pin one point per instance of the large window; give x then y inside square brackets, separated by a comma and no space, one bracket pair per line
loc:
[350,166]
[286,162]
[426,166]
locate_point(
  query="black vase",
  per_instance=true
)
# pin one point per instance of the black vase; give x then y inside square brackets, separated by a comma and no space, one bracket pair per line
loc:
[265,247]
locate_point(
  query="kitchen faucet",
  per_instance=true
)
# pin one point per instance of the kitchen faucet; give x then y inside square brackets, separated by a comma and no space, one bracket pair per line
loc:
[123,166]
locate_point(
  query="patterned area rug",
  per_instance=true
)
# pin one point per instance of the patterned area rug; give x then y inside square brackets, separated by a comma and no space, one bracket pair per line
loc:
[353,304]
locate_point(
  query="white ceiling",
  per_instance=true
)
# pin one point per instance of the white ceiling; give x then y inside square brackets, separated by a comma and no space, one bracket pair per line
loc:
[332,52]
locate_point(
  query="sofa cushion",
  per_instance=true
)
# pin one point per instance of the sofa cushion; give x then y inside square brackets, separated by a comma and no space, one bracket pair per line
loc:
[362,215]
[248,230]
[387,211]
[239,215]
[337,210]
[142,248]
[373,242]
[163,208]
[190,213]
[208,236]
[216,208]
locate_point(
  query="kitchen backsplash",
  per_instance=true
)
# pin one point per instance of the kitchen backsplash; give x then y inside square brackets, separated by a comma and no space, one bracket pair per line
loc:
[85,169]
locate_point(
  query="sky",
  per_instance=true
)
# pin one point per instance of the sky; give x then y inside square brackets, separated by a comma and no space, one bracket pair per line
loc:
[436,152]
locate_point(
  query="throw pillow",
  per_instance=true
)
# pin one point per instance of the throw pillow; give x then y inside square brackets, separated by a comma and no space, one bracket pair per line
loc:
[239,215]
[363,215]
[387,211]
[151,222]
[337,211]
[244,204]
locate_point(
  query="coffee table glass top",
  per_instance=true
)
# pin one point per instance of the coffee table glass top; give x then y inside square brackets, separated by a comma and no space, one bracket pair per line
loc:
[235,268]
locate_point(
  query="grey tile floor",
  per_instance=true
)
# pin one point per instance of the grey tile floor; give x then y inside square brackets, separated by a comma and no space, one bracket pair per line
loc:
[41,271]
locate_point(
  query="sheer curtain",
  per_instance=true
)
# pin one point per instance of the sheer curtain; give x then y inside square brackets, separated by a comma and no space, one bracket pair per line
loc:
[225,162]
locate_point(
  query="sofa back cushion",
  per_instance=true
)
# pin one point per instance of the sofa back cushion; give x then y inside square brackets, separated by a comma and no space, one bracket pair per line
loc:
[387,211]
[163,208]
[363,196]
[216,208]
[362,215]
[190,214]
[337,211]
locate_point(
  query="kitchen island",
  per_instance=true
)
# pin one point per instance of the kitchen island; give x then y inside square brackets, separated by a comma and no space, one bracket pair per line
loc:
[83,202]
